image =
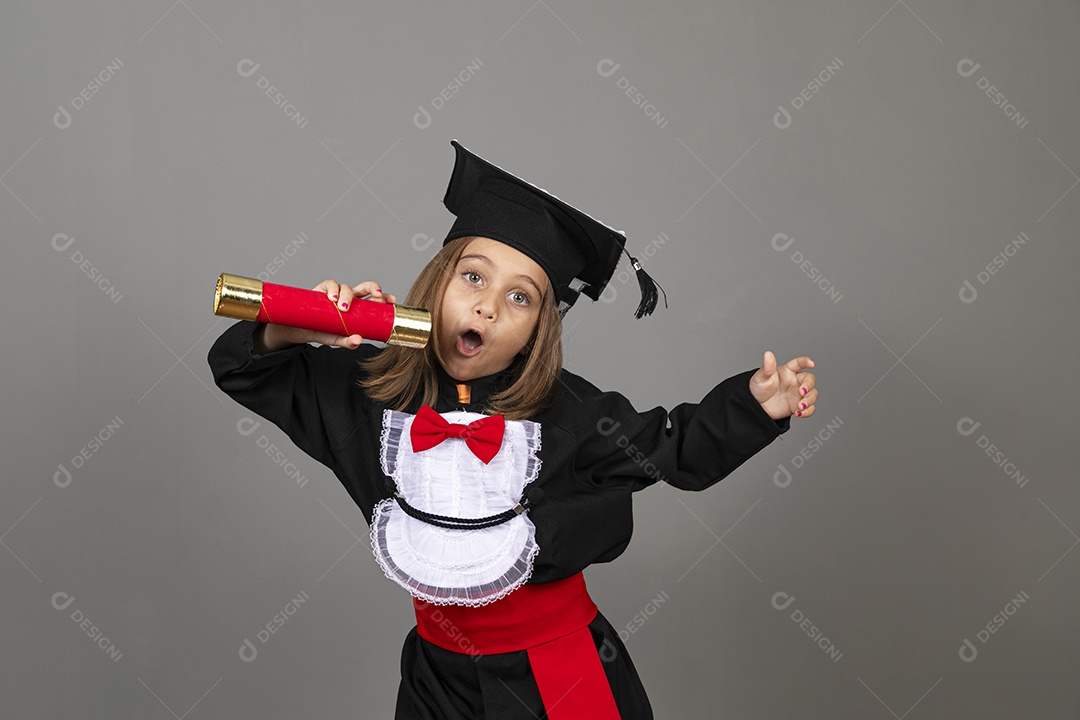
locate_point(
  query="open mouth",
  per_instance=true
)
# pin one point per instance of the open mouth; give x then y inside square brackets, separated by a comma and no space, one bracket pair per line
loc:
[469,343]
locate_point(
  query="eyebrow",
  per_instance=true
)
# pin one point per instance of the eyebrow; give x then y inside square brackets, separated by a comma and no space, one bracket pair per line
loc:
[487,260]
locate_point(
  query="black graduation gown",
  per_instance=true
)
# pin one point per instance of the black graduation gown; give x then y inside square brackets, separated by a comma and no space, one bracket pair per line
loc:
[597,450]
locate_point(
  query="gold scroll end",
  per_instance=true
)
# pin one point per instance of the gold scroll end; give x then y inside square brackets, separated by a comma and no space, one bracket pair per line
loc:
[412,327]
[238,297]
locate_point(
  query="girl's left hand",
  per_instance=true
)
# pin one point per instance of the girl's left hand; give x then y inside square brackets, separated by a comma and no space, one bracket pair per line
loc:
[784,390]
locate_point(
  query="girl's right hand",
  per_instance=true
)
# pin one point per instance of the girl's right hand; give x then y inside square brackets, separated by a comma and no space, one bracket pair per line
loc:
[276,337]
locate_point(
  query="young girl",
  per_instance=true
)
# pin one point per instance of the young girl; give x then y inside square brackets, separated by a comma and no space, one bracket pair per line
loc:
[489,475]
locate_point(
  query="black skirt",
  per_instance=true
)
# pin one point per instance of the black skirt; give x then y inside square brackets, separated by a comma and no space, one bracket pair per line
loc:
[438,684]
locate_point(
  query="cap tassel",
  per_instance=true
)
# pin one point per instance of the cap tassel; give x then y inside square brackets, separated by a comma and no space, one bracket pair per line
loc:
[648,286]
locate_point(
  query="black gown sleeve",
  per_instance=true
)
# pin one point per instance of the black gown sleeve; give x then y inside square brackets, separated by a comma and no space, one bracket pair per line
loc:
[308,391]
[692,447]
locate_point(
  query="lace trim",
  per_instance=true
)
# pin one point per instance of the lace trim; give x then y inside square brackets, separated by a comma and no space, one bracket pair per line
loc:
[392,425]
[533,442]
[447,566]
[433,587]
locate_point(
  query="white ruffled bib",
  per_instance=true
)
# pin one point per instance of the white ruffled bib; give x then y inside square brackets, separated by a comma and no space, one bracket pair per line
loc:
[454,566]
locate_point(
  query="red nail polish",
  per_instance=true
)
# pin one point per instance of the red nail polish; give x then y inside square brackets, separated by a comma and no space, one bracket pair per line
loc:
[799,414]
[802,405]
[804,391]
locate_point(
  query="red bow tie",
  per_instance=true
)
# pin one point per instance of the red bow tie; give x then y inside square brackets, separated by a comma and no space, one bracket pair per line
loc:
[483,436]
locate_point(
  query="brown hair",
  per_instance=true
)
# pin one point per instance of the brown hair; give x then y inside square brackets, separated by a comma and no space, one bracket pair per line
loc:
[397,375]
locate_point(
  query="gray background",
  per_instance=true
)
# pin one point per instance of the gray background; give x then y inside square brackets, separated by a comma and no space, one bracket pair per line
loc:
[899,180]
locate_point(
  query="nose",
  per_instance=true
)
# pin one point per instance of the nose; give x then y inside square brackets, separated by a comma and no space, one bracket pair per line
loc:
[485,307]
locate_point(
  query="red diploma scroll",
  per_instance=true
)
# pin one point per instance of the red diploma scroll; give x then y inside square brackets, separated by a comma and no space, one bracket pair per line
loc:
[245,298]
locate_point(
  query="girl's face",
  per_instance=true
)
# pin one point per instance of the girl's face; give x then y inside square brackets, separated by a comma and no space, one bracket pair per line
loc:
[489,309]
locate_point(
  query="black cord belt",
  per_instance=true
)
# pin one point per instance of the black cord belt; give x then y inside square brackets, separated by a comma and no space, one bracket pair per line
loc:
[462,523]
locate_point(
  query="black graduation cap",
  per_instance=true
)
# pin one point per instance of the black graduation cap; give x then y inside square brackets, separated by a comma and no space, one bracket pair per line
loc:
[579,254]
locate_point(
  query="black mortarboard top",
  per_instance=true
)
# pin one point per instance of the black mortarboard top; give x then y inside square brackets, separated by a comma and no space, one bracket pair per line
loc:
[579,254]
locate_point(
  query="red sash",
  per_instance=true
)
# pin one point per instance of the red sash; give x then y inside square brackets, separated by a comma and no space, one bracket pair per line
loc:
[550,621]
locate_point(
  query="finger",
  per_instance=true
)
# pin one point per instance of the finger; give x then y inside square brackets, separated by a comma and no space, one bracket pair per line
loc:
[324,338]
[803,414]
[805,382]
[350,342]
[330,287]
[798,363]
[768,363]
[371,290]
[346,298]
[368,287]
[380,296]
[806,402]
